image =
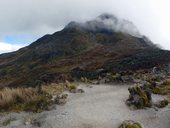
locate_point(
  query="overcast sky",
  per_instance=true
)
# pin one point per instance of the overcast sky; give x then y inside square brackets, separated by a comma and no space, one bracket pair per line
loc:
[24,21]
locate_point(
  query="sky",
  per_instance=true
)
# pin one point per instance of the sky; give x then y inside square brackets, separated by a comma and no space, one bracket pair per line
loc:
[24,21]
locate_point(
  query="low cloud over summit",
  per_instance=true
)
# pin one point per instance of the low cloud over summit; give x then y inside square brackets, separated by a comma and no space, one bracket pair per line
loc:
[107,22]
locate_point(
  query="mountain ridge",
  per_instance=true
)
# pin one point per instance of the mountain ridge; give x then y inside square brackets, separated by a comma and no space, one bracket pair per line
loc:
[52,58]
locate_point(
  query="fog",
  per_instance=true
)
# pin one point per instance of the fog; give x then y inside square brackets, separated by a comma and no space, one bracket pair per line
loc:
[107,22]
[34,18]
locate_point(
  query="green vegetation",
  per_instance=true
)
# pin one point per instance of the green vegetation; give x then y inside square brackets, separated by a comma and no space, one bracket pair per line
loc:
[161,91]
[130,124]
[163,103]
[114,77]
[139,97]
[156,89]
[72,87]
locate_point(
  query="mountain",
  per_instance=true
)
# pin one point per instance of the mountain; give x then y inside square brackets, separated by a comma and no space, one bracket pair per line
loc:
[105,43]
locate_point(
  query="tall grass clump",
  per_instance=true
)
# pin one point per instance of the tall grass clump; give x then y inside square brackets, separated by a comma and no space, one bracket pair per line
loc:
[23,99]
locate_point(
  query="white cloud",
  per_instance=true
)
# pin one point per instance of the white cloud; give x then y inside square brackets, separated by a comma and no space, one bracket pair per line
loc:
[39,17]
[6,47]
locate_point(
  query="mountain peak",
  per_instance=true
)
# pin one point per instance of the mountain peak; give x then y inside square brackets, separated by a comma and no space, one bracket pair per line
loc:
[106,22]
[106,16]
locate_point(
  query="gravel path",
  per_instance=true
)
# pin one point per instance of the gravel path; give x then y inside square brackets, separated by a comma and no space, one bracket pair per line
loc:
[102,106]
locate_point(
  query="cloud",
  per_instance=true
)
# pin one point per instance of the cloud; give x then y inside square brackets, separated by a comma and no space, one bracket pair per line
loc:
[107,22]
[39,17]
[6,47]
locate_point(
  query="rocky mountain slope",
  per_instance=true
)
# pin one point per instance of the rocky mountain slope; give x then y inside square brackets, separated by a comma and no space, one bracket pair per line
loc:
[107,44]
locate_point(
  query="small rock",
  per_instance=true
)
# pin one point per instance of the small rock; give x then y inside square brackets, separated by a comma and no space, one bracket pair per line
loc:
[73,90]
[36,123]
[90,86]
[95,82]
[102,81]
[80,91]
[28,121]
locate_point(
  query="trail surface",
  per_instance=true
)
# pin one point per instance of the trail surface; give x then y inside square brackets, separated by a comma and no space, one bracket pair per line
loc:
[102,106]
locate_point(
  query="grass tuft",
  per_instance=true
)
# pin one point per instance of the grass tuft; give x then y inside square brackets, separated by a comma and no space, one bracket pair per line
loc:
[164,103]
[130,124]
[23,99]
[167,81]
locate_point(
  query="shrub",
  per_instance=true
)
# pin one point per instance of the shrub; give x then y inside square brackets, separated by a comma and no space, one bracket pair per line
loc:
[61,99]
[130,124]
[139,97]
[161,91]
[156,89]
[163,103]
[72,87]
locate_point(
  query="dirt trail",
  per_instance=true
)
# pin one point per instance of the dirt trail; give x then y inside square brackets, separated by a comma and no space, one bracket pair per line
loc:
[102,106]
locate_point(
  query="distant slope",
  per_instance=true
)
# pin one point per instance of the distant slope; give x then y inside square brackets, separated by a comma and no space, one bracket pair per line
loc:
[52,58]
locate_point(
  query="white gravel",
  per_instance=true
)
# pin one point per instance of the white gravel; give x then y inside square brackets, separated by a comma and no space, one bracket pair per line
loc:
[102,106]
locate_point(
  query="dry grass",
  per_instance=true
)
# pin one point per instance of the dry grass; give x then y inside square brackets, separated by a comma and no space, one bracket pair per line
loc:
[71,86]
[167,81]
[54,89]
[31,99]
[10,96]
[57,89]
[19,99]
